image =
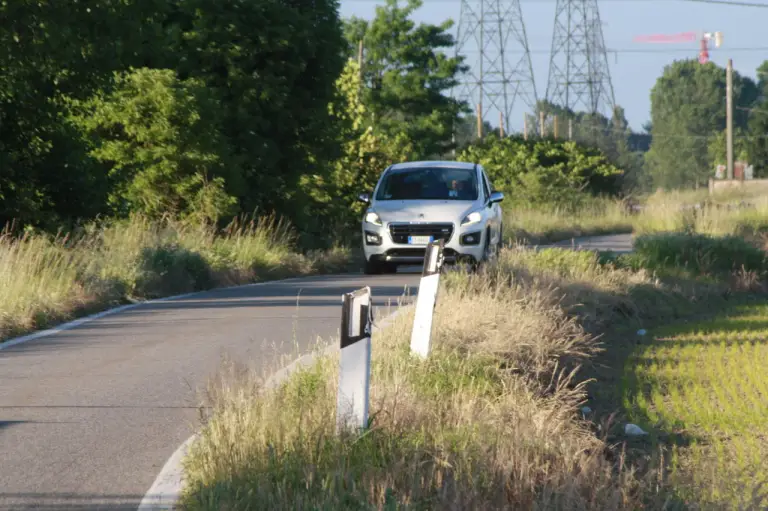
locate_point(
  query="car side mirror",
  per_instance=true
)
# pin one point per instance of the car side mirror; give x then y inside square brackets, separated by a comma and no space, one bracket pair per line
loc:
[364,197]
[496,197]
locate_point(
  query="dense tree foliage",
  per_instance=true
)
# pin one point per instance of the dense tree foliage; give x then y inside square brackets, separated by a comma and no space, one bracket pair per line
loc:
[756,137]
[537,172]
[612,136]
[687,112]
[408,77]
[209,108]
[267,69]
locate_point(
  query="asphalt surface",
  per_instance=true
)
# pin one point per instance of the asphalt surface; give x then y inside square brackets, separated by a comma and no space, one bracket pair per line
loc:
[619,243]
[89,416]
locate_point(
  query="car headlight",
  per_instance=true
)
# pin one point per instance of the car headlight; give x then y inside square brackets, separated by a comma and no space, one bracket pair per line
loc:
[372,218]
[472,218]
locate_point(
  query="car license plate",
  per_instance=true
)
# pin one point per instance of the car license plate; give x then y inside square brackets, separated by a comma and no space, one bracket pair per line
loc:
[419,240]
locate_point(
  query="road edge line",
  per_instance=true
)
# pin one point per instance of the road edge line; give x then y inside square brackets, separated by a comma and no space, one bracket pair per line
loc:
[166,489]
[122,308]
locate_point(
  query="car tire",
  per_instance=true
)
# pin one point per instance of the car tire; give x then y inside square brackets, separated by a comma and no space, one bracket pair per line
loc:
[489,252]
[372,268]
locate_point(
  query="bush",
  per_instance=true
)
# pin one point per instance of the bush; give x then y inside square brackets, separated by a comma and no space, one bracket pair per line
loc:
[536,172]
[697,254]
[46,280]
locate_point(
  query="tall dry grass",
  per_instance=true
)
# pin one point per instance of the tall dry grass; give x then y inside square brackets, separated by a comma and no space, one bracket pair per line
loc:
[44,280]
[550,224]
[733,212]
[490,421]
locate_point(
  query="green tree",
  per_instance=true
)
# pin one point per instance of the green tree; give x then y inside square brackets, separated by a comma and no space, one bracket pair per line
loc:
[332,198]
[687,110]
[756,137]
[535,172]
[408,77]
[159,140]
[612,136]
[269,64]
[272,64]
[50,50]
[465,130]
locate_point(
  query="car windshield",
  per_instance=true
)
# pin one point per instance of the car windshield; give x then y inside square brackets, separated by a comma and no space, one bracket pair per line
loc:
[428,183]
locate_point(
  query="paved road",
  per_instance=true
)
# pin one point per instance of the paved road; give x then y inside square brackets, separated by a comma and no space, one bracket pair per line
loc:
[89,416]
[619,243]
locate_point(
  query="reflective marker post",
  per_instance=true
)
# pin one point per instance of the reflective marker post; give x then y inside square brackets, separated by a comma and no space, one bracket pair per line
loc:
[425,301]
[355,360]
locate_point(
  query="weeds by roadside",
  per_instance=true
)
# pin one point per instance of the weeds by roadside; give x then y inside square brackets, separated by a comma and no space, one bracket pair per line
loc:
[736,213]
[700,389]
[548,225]
[490,421]
[47,280]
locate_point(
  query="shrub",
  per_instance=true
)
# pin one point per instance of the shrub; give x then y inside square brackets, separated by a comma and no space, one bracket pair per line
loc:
[535,172]
[695,253]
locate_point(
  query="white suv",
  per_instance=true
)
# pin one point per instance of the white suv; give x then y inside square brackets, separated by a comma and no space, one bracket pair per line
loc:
[418,202]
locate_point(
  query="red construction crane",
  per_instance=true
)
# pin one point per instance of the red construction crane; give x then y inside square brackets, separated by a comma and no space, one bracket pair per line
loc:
[685,37]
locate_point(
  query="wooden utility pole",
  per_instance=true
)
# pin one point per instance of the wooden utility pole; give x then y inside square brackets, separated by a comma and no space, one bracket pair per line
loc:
[729,119]
[360,57]
[570,129]
[541,125]
[479,120]
[525,126]
[555,127]
[501,125]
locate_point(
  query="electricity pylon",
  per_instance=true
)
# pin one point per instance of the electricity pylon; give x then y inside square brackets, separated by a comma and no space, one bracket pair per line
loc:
[579,77]
[492,32]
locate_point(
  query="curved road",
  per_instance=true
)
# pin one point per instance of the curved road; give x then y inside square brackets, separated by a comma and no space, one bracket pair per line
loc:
[89,416]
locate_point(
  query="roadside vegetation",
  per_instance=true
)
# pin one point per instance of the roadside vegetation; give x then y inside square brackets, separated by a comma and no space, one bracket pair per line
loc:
[493,419]
[137,152]
[49,279]
[700,388]
[736,213]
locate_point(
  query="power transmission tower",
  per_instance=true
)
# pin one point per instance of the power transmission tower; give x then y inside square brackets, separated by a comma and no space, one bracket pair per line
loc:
[493,32]
[579,78]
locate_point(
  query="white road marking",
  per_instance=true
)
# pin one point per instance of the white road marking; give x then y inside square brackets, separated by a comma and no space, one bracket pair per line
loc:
[166,490]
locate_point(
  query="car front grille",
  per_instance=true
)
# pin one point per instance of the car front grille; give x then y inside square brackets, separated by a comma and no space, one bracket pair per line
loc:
[400,232]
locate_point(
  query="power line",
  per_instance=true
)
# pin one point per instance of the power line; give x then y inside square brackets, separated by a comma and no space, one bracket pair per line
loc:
[751,110]
[586,126]
[660,50]
[717,2]
[725,2]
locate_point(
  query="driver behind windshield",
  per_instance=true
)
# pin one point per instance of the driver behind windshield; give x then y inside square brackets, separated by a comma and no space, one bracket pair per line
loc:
[458,190]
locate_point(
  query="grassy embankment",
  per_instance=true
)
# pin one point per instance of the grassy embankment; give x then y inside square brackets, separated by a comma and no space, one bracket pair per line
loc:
[44,281]
[661,212]
[701,389]
[490,421]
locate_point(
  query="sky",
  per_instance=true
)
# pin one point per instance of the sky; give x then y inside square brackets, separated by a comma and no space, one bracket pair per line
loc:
[633,72]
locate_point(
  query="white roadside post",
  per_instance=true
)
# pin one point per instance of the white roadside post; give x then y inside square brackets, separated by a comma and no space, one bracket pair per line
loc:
[355,360]
[425,301]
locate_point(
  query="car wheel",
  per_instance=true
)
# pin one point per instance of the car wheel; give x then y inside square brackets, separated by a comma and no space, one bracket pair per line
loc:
[490,251]
[373,268]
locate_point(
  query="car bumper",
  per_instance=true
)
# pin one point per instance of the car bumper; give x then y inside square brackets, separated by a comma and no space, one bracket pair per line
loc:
[402,254]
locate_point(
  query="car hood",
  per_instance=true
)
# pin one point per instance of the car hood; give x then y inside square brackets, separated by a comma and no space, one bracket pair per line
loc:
[432,211]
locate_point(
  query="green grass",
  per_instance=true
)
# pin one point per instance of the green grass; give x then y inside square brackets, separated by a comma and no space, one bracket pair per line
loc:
[705,385]
[694,255]
[550,224]
[489,421]
[46,280]
[736,213]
